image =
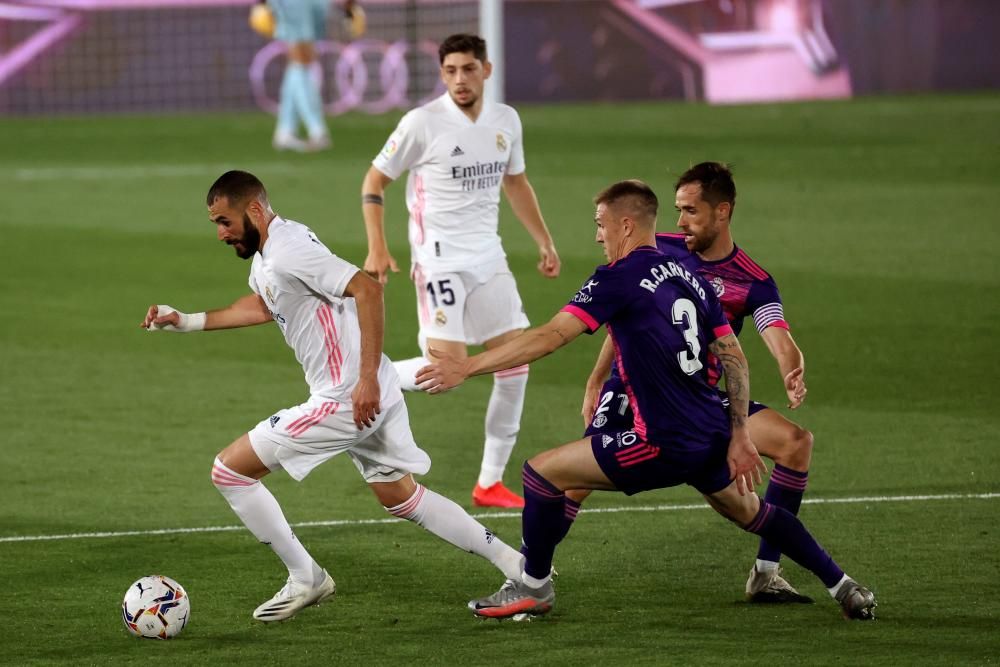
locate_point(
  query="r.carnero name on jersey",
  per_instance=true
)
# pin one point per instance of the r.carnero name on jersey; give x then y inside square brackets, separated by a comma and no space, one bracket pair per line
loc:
[480,175]
[665,271]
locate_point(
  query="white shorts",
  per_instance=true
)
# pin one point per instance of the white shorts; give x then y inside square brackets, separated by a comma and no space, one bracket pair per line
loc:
[463,308]
[299,439]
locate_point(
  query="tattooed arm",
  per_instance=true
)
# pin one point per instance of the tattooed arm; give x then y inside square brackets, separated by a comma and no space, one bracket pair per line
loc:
[734,365]
[745,465]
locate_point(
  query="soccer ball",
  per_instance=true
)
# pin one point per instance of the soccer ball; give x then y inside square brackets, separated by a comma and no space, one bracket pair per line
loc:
[156,607]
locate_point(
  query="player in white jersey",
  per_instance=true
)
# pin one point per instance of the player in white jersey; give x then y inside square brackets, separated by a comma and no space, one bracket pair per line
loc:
[460,151]
[331,315]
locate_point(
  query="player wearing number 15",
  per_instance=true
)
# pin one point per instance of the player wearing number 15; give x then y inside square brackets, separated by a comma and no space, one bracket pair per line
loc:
[460,151]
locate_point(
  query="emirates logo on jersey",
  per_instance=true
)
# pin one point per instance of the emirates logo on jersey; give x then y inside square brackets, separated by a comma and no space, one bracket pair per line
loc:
[718,286]
[501,143]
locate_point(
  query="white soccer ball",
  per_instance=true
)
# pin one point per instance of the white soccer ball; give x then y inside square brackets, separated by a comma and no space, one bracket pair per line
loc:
[156,607]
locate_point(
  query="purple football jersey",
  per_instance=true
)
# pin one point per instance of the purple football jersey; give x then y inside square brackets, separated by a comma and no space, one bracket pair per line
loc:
[743,287]
[661,318]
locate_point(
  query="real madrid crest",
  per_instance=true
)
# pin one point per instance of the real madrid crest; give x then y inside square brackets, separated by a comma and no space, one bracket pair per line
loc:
[439,318]
[501,143]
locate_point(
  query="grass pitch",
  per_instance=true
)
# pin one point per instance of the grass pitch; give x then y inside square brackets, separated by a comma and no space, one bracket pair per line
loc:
[875,216]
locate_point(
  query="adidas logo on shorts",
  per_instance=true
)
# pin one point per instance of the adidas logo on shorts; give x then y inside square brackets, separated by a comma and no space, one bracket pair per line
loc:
[458,151]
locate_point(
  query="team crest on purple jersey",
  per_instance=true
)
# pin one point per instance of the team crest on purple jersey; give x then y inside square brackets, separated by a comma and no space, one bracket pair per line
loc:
[719,286]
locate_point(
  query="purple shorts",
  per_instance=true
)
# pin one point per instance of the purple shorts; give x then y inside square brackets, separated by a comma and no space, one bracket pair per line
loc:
[634,465]
[613,413]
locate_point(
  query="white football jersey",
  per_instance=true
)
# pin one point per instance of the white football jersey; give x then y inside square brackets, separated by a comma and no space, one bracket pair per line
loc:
[456,172]
[303,285]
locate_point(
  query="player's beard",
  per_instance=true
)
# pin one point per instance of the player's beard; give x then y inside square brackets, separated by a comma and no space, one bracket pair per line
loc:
[250,243]
[705,240]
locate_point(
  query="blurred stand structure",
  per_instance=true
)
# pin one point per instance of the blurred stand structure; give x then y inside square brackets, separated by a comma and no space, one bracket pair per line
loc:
[96,56]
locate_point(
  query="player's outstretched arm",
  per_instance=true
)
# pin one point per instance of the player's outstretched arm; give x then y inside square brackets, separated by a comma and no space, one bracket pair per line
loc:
[367,295]
[379,262]
[745,465]
[524,203]
[244,312]
[592,392]
[448,372]
[791,363]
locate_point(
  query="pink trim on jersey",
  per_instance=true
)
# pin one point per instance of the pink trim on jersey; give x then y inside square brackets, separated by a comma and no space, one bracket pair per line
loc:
[304,423]
[334,357]
[512,372]
[405,511]
[223,477]
[425,311]
[582,315]
[639,424]
[673,235]
[749,265]
[418,208]
[724,330]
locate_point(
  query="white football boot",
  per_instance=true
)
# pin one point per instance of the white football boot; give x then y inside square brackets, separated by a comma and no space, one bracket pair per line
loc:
[292,597]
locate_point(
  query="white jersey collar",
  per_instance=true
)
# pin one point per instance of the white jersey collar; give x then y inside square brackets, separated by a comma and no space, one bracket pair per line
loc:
[450,103]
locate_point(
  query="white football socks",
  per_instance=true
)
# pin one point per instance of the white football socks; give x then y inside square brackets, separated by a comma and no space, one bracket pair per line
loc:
[260,512]
[503,421]
[451,523]
[836,589]
[766,565]
[407,370]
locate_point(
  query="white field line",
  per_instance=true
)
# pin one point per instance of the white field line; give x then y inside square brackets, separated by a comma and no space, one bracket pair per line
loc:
[118,172]
[497,515]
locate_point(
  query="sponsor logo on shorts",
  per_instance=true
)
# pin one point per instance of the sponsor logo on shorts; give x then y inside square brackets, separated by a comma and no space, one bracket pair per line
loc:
[606,440]
[274,420]
[440,318]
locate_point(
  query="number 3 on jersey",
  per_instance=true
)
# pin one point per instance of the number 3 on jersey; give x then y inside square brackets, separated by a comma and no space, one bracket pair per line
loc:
[683,314]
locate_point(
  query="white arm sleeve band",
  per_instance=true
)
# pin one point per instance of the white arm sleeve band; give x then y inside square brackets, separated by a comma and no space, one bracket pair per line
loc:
[188,322]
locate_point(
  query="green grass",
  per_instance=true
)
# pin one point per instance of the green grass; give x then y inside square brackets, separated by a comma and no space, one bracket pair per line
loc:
[876,217]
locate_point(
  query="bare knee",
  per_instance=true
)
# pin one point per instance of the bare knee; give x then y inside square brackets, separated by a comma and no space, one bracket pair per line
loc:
[799,449]
[393,494]
[578,495]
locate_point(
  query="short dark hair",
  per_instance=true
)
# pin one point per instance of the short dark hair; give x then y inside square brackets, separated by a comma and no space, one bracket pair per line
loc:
[463,43]
[238,187]
[716,180]
[632,193]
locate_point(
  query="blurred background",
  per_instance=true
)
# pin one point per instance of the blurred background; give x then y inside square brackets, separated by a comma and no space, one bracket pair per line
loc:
[866,145]
[84,56]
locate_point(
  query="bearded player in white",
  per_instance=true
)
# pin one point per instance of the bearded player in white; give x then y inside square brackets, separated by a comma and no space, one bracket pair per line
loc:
[331,315]
[460,150]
